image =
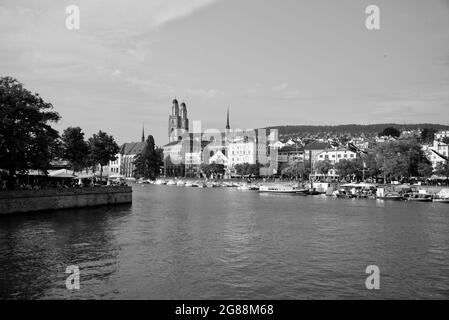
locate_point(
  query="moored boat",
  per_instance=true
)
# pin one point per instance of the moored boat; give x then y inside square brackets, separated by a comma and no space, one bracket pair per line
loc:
[418,197]
[395,196]
[171,183]
[277,189]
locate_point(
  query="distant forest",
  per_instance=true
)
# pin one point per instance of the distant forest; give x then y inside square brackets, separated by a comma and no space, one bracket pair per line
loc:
[351,129]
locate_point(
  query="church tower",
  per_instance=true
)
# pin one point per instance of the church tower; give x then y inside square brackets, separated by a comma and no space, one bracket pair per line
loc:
[184,119]
[178,123]
[227,121]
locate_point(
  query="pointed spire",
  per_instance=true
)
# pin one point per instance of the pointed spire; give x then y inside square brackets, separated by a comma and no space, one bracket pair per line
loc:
[227,120]
[143,132]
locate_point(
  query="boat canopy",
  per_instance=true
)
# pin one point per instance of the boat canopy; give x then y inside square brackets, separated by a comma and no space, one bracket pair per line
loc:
[359,185]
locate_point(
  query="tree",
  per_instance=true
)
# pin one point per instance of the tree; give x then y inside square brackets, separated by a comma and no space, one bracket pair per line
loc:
[323,167]
[428,135]
[402,159]
[102,149]
[442,169]
[212,169]
[147,164]
[297,169]
[246,169]
[27,141]
[390,132]
[369,164]
[351,168]
[74,148]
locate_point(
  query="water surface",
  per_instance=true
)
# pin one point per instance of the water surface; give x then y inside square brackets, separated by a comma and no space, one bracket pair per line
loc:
[190,243]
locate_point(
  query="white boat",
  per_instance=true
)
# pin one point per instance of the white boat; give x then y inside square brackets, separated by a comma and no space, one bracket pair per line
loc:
[277,189]
[189,184]
[441,200]
[171,183]
[160,182]
[180,183]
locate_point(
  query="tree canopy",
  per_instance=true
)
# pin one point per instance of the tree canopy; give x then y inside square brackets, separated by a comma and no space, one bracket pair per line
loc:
[428,135]
[390,132]
[74,148]
[27,139]
[246,169]
[212,169]
[323,167]
[102,149]
[403,159]
[147,164]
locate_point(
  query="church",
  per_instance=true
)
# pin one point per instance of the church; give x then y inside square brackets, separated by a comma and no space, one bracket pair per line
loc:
[186,151]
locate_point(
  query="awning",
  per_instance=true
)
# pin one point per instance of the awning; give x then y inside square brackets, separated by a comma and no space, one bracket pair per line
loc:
[62,173]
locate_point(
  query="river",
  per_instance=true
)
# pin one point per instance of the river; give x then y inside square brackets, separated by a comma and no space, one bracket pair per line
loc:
[191,243]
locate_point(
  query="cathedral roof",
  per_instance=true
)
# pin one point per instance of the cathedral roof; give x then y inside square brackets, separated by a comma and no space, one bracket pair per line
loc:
[131,148]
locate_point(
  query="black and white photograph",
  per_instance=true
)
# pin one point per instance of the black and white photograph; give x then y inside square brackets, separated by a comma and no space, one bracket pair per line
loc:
[253,151]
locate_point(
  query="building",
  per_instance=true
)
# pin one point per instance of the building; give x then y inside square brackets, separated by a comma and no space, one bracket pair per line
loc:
[441,134]
[123,165]
[435,158]
[290,154]
[313,149]
[178,123]
[185,153]
[335,155]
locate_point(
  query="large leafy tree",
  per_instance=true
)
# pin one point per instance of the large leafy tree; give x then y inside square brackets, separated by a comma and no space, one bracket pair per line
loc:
[390,132]
[74,148]
[147,164]
[213,168]
[349,168]
[102,149]
[27,140]
[402,159]
[247,169]
[428,135]
[297,169]
[442,169]
[323,167]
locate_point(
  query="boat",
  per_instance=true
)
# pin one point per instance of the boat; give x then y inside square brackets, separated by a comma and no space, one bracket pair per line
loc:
[304,192]
[441,200]
[188,184]
[277,189]
[395,196]
[342,193]
[160,182]
[419,197]
[171,183]
[180,183]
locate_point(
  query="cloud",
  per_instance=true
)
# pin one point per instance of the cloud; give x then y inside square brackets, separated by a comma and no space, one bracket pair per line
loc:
[33,33]
[164,90]
[278,91]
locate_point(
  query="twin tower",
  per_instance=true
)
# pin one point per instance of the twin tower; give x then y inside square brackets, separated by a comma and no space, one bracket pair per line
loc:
[178,123]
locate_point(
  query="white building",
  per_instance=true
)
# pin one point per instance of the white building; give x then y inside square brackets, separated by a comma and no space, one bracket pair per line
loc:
[336,155]
[437,153]
[240,152]
[441,134]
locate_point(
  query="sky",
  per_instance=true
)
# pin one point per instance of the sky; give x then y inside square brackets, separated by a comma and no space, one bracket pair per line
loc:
[273,62]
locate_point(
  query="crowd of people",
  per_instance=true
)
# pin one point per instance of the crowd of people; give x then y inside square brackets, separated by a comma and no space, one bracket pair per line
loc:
[24,183]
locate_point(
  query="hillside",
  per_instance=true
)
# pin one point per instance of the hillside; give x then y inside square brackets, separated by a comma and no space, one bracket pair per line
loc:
[350,129]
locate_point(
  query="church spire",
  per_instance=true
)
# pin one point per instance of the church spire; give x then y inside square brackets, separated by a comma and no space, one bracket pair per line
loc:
[143,132]
[227,120]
